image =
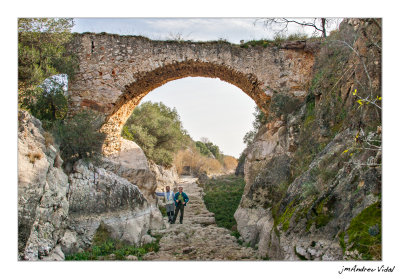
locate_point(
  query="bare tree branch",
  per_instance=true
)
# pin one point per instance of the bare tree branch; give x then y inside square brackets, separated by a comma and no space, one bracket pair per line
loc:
[285,22]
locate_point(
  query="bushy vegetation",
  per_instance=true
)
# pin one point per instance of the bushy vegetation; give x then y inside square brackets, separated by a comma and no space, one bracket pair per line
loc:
[47,102]
[222,197]
[283,104]
[229,162]
[78,137]
[203,149]
[157,129]
[276,41]
[207,148]
[42,54]
[104,246]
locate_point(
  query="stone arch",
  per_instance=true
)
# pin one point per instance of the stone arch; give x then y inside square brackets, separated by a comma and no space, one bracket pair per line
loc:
[146,82]
[116,72]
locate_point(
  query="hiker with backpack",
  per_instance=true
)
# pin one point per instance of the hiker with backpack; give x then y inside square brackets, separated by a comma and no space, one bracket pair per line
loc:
[181,199]
[169,199]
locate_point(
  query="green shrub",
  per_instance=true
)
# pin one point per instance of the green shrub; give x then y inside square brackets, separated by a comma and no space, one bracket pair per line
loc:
[283,104]
[79,137]
[321,213]
[118,248]
[47,102]
[285,218]
[202,148]
[207,148]
[253,43]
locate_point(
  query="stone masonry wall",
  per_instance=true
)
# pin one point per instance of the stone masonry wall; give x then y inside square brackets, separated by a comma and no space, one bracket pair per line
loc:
[116,72]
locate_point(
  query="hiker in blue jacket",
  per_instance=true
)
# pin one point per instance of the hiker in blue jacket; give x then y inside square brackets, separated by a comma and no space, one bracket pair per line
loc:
[181,199]
[169,202]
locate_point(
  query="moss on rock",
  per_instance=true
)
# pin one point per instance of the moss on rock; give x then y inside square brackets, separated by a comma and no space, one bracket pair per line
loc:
[365,233]
[287,216]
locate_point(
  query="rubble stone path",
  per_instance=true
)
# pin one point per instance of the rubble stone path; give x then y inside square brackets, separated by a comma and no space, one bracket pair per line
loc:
[198,238]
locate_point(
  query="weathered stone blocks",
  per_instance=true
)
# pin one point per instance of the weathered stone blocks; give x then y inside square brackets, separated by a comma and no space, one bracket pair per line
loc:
[116,72]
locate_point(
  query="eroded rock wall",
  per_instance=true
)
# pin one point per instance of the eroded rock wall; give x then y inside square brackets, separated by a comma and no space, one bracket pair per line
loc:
[42,187]
[97,196]
[312,174]
[59,214]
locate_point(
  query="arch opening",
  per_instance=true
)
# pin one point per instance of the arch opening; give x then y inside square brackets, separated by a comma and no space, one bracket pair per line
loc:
[146,82]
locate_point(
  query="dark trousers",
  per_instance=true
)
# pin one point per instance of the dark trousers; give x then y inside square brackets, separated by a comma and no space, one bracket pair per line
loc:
[170,216]
[180,207]
[170,212]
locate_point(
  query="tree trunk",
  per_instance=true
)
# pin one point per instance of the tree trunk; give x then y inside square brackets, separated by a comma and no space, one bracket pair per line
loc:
[323,25]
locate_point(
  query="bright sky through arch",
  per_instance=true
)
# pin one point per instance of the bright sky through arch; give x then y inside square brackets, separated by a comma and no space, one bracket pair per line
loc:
[210,108]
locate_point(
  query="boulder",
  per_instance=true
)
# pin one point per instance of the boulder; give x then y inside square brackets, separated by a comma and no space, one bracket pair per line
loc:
[100,196]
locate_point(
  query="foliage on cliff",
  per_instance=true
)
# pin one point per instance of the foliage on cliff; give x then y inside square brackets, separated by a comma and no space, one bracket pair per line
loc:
[346,70]
[79,137]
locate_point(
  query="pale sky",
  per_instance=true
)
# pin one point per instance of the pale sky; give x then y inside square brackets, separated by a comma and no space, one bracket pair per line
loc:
[208,107]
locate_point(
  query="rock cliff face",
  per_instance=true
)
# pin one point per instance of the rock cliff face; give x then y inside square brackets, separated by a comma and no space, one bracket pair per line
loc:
[60,214]
[97,196]
[132,164]
[42,187]
[165,176]
[311,174]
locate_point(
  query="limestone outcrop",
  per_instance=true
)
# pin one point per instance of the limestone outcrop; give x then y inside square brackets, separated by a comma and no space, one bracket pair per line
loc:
[131,163]
[42,187]
[59,214]
[165,176]
[97,196]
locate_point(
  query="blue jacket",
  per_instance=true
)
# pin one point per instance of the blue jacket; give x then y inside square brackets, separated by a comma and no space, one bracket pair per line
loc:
[185,197]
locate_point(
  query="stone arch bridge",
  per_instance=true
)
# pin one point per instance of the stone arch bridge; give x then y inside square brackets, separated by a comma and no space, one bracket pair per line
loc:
[116,72]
